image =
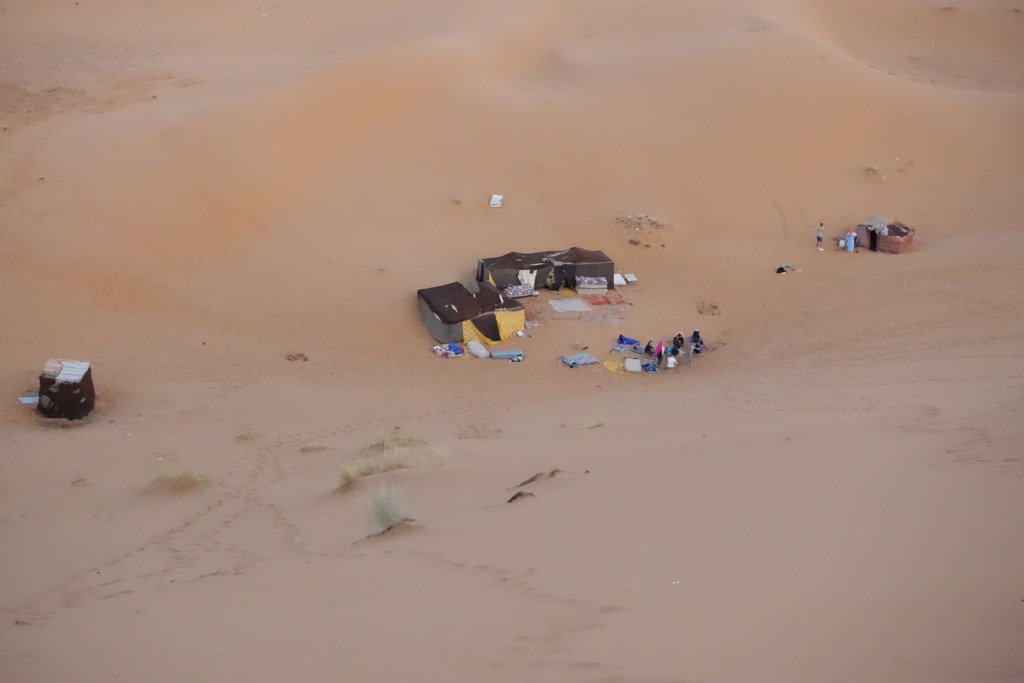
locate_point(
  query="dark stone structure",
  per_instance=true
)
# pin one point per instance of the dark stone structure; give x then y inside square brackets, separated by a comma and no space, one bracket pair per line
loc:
[66,389]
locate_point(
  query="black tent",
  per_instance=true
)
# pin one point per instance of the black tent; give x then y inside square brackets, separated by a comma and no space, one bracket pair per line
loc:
[576,261]
[551,269]
[453,313]
[515,268]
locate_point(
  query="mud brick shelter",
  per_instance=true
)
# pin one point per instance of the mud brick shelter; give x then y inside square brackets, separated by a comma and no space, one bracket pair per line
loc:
[885,235]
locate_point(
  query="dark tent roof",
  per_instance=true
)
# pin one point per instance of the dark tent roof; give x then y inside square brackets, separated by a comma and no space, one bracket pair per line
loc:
[578,256]
[519,260]
[539,259]
[453,303]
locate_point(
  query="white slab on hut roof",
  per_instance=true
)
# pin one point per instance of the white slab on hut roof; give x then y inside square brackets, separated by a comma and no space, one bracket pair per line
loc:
[497,200]
[66,371]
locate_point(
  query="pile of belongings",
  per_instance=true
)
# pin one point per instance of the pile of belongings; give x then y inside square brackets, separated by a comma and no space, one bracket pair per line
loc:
[591,285]
[511,355]
[625,344]
[519,291]
[448,351]
[576,360]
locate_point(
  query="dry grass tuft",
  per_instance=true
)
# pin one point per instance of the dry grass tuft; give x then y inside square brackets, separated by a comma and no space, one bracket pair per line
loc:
[186,480]
[393,440]
[396,458]
[386,510]
[390,451]
[346,477]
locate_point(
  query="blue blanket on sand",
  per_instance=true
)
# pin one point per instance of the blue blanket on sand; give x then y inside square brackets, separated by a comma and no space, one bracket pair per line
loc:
[627,340]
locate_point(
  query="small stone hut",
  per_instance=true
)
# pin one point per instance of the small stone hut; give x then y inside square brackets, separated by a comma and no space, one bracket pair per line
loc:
[66,389]
[885,235]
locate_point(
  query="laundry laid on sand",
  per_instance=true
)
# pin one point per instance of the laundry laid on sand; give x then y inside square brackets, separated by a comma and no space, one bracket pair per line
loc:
[569,305]
[606,298]
[576,360]
[512,355]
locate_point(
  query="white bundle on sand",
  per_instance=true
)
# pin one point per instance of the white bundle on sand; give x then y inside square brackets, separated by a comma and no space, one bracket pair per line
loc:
[477,349]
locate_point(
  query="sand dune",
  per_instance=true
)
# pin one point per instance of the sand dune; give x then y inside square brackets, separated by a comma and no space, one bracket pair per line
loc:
[191,191]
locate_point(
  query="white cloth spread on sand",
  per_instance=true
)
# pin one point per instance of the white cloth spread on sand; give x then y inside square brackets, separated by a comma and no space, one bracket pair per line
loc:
[569,304]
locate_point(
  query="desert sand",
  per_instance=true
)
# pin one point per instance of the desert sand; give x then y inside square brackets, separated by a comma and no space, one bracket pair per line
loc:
[191,191]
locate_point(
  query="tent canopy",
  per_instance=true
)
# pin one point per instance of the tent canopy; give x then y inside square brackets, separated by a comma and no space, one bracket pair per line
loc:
[518,260]
[578,256]
[552,269]
[453,303]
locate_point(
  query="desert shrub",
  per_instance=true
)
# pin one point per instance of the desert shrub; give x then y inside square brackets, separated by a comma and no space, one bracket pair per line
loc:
[186,480]
[346,478]
[379,461]
[385,509]
[394,439]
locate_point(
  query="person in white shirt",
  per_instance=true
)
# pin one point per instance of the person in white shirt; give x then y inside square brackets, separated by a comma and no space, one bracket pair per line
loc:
[671,362]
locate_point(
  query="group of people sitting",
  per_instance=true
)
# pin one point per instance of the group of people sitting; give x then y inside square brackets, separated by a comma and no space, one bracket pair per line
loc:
[680,344]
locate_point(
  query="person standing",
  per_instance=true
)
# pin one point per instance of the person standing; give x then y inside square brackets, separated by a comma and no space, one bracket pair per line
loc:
[671,363]
[851,240]
[820,238]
